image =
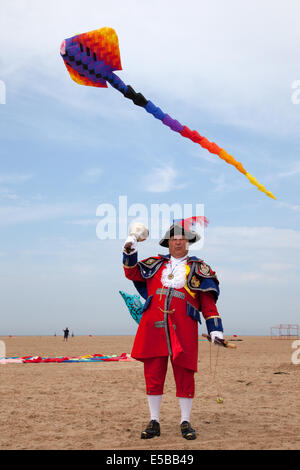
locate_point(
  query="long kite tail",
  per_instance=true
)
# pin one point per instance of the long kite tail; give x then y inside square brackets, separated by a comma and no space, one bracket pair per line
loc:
[139,100]
[91,59]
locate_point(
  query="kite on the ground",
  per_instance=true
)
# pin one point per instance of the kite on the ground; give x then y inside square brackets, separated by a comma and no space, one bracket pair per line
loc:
[91,58]
[94,358]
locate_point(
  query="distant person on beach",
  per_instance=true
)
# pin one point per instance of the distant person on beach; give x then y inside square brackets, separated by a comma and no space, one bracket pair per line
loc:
[66,334]
[176,288]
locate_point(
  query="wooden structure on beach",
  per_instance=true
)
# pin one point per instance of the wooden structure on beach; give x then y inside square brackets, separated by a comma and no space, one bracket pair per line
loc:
[287,331]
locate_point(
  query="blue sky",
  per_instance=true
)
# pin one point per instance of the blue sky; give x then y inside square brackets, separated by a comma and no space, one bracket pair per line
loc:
[228,70]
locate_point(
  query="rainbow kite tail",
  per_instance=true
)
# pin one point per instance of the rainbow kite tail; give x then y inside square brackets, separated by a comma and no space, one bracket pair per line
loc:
[139,100]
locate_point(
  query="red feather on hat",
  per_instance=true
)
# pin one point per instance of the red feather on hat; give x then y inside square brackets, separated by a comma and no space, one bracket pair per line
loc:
[190,221]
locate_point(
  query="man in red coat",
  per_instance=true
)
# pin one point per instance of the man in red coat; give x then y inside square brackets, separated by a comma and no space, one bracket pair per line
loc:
[176,288]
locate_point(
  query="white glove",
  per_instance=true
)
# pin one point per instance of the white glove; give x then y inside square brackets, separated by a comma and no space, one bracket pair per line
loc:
[216,334]
[130,244]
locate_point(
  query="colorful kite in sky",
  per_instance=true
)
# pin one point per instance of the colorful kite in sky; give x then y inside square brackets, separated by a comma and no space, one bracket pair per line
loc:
[91,58]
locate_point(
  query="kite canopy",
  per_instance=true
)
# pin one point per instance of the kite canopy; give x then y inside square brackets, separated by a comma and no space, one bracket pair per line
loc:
[91,59]
[134,305]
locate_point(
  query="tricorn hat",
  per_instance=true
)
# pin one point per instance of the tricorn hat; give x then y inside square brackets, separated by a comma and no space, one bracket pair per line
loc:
[184,227]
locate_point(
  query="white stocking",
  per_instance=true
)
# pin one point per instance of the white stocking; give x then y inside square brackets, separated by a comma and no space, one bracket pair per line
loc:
[154,405]
[186,408]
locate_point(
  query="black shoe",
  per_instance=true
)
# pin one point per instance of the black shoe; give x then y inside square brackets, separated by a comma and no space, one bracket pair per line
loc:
[187,431]
[153,429]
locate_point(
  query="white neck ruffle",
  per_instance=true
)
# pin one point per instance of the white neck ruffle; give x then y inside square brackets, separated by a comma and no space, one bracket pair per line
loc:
[175,266]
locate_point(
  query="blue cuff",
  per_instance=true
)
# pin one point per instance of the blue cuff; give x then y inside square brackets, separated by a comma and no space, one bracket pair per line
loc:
[193,312]
[130,260]
[214,324]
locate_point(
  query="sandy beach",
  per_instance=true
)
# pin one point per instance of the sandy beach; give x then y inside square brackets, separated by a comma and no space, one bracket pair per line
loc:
[104,405]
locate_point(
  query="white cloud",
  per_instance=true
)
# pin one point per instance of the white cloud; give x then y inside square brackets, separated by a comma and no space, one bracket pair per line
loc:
[277,266]
[19,214]
[294,169]
[265,238]
[92,175]
[14,178]
[222,184]
[8,194]
[292,207]
[162,179]
[251,255]
[83,222]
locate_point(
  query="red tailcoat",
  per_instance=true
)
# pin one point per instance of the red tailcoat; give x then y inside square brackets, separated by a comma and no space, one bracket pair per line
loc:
[165,327]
